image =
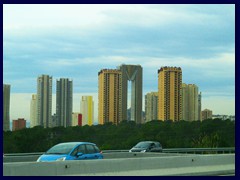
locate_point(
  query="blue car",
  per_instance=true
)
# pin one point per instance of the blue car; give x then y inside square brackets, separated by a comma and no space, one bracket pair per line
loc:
[71,151]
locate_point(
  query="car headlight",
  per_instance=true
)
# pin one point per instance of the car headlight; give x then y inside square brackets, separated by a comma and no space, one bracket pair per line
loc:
[143,150]
[38,160]
[61,159]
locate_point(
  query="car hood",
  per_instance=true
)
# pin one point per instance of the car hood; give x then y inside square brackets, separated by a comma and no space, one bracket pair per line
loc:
[51,157]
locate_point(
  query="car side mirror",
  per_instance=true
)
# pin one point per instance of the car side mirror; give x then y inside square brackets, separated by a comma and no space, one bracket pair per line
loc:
[79,154]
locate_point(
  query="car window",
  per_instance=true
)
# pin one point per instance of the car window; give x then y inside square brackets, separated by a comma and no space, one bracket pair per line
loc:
[97,150]
[153,145]
[143,145]
[90,149]
[82,149]
[74,153]
[61,149]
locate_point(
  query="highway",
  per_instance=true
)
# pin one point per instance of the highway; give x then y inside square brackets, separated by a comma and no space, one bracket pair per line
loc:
[122,163]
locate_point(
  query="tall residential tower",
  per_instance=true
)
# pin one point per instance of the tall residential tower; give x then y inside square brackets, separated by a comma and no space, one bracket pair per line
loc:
[169,93]
[33,111]
[6,107]
[44,101]
[132,73]
[87,110]
[190,102]
[64,102]
[109,96]
[151,106]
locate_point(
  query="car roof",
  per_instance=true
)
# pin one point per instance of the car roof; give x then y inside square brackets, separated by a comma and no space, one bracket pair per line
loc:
[150,141]
[77,143]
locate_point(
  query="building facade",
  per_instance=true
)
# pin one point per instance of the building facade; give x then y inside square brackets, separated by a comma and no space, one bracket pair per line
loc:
[206,114]
[76,119]
[87,110]
[200,106]
[132,73]
[33,111]
[169,93]
[190,102]
[6,107]
[151,106]
[18,124]
[64,102]
[109,96]
[44,101]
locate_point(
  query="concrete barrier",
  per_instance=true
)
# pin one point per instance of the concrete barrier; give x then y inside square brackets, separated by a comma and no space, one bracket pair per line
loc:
[112,155]
[170,165]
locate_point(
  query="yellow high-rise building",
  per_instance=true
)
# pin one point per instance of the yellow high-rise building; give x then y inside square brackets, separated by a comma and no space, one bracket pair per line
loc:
[109,96]
[169,93]
[87,110]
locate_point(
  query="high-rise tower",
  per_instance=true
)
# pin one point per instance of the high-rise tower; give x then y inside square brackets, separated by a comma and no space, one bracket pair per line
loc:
[64,102]
[132,73]
[87,110]
[169,93]
[44,101]
[33,111]
[151,106]
[109,96]
[200,106]
[6,107]
[190,102]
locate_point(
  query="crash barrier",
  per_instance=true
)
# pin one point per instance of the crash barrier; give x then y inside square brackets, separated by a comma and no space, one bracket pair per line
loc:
[109,155]
[28,157]
[197,164]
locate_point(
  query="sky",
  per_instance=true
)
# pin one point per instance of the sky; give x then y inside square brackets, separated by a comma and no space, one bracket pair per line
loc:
[76,41]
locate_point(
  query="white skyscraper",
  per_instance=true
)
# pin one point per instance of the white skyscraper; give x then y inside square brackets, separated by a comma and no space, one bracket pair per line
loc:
[87,110]
[33,111]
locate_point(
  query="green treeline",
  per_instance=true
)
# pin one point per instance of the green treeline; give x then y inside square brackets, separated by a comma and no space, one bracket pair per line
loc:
[182,134]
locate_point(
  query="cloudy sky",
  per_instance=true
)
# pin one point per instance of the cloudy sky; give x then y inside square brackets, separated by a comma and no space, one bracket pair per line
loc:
[77,41]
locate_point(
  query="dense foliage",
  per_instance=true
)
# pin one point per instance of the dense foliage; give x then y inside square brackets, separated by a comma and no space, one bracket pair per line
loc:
[182,134]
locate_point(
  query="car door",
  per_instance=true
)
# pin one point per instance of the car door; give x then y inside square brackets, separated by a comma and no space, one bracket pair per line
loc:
[91,152]
[82,151]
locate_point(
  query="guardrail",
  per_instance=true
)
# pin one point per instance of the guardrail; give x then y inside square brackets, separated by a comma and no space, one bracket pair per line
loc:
[221,150]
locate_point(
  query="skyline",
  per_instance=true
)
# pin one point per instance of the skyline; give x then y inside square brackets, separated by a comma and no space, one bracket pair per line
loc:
[77,41]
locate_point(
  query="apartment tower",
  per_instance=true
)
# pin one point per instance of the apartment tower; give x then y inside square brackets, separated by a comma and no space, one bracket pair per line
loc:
[109,96]
[169,93]
[33,111]
[64,102]
[6,107]
[151,106]
[44,101]
[190,102]
[200,106]
[87,110]
[132,73]
[206,114]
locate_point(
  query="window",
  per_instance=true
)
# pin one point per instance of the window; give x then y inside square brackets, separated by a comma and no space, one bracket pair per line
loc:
[90,149]
[82,149]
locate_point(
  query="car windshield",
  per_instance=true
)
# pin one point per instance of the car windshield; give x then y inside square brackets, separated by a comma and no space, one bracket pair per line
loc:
[64,148]
[143,145]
